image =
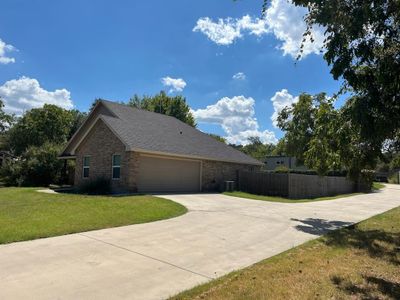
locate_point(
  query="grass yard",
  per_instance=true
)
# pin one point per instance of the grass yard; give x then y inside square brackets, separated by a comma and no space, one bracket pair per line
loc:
[282,199]
[376,186]
[358,262]
[26,214]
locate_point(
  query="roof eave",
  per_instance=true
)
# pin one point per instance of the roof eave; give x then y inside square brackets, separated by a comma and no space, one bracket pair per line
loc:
[161,153]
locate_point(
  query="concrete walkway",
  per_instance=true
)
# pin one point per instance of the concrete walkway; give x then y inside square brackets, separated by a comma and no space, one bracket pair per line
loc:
[153,261]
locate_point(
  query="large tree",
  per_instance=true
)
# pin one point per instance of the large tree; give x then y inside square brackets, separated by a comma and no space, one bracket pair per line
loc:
[256,148]
[40,125]
[217,137]
[298,121]
[362,47]
[77,119]
[6,120]
[174,106]
[325,138]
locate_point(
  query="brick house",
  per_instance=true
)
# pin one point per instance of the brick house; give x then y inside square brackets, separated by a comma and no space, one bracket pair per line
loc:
[142,151]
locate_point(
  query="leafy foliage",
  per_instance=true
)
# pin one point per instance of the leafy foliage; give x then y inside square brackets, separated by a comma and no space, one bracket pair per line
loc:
[363,49]
[367,179]
[217,137]
[298,123]
[6,120]
[395,163]
[310,127]
[281,169]
[38,166]
[174,106]
[35,140]
[325,138]
[78,118]
[256,149]
[39,126]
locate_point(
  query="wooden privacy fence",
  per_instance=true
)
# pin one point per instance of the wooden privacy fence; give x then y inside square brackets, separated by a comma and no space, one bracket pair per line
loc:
[293,185]
[260,183]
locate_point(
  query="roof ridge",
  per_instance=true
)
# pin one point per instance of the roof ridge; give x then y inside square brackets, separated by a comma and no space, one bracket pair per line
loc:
[126,105]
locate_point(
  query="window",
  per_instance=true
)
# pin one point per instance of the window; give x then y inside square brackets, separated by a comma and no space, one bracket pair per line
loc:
[86,166]
[116,166]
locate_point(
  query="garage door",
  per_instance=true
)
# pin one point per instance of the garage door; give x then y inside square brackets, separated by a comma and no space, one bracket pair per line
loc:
[168,175]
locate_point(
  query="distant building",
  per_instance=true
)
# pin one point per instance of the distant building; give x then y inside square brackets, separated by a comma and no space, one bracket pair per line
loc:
[272,162]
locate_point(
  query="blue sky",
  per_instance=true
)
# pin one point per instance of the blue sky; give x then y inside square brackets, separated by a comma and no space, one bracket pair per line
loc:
[71,52]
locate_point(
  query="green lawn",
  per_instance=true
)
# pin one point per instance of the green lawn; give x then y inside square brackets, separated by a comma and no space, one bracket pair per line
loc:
[26,214]
[358,262]
[281,199]
[376,186]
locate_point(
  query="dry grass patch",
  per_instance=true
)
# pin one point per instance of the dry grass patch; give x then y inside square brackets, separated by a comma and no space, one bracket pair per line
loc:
[358,262]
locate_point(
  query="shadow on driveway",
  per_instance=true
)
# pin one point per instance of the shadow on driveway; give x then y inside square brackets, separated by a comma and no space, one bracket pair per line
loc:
[319,226]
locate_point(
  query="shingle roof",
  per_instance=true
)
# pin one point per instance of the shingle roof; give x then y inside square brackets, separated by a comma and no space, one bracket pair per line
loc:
[143,130]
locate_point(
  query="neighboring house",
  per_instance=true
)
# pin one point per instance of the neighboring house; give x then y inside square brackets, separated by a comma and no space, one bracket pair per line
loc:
[272,162]
[142,151]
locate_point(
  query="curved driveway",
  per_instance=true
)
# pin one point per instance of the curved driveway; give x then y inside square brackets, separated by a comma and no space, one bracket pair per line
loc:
[155,260]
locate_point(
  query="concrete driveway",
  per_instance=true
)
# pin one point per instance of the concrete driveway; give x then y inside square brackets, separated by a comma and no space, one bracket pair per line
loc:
[153,261]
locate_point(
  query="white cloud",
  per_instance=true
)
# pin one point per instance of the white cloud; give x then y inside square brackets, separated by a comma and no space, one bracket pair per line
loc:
[282,19]
[25,93]
[226,31]
[4,48]
[176,84]
[239,76]
[280,100]
[236,117]
[286,22]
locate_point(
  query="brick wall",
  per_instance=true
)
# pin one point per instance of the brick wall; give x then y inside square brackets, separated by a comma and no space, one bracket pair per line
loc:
[214,173]
[100,144]
[133,170]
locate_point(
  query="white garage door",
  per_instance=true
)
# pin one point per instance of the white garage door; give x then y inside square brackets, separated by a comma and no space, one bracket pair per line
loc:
[168,175]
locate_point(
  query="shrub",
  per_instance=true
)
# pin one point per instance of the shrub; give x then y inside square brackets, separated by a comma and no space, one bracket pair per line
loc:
[366,180]
[11,173]
[98,186]
[281,169]
[395,163]
[394,178]
[38,166]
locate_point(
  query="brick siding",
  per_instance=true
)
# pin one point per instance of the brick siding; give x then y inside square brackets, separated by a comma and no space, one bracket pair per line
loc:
[101,144]
[214,173]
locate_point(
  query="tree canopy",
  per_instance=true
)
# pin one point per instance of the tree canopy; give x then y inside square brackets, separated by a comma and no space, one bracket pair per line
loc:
[256,148]
[40,125]
[363,48]
[217,137]
[324,138]
[6,120]
[174,106]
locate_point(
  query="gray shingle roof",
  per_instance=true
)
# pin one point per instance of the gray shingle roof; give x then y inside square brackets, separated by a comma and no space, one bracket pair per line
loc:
[149,131]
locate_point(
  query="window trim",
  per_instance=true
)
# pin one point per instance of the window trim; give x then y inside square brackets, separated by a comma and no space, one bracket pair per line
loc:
[115,166]
[85,167]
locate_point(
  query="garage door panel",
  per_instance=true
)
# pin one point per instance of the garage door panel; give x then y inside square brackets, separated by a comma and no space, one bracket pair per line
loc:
[168,175]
